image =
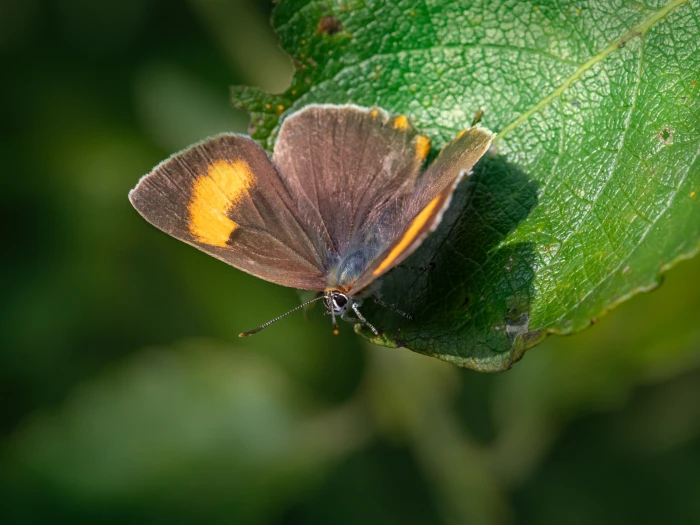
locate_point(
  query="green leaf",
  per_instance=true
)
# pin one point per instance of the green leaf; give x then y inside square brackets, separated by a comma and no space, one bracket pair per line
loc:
[595,187]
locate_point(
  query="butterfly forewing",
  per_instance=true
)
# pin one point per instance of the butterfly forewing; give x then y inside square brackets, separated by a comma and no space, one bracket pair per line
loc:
[225,197]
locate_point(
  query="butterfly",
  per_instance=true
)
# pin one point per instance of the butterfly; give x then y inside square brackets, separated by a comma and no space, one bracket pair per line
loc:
[345,198]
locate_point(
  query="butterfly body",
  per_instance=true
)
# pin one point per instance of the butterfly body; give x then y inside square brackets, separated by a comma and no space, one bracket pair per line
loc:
[344,199]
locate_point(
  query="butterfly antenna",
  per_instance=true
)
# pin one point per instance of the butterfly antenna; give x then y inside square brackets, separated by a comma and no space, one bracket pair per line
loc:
[265,325]
[392,308]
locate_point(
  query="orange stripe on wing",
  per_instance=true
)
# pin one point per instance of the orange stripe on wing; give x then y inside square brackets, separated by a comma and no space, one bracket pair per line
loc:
[408,237]
[422,147]
[213,196]
[401,123]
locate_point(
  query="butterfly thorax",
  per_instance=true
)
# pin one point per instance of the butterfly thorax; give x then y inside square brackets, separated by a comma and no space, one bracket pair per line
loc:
[343,274]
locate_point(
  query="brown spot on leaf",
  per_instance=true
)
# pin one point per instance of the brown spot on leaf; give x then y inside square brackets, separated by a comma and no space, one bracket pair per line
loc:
[329,25]
[634,33]
[477,117]
[665,135]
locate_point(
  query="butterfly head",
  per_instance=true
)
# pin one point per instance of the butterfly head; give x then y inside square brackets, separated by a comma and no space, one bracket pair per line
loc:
[337,303]
[345,306]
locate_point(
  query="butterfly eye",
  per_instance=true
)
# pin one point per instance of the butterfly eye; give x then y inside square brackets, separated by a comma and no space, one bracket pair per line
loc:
[340,300]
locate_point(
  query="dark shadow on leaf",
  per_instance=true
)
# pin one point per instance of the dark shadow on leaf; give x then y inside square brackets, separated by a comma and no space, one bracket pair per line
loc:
[471,305]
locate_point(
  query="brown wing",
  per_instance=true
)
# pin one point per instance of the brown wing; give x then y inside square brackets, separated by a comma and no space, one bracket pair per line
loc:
[225,197]
[420,211]
[347,164]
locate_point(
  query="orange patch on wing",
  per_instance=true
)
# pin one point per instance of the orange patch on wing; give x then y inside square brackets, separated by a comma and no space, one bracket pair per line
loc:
[373,113]
[213,196]
[408,237]
[461,133]
[422,147]
[401,123]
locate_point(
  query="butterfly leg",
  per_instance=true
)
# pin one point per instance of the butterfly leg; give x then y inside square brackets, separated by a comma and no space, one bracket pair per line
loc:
[334,321]
[392,308]
[428,266]
[335,324]
[364,321]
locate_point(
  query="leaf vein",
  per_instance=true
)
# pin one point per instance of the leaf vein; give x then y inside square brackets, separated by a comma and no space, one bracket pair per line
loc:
[636,31]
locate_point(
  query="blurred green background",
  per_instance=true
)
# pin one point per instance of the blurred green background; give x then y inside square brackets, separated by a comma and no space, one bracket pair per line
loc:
[128,397]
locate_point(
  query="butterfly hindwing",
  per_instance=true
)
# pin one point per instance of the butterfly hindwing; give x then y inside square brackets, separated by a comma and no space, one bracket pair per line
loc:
[419,212]
[457,158]
[348,164]
[225,197]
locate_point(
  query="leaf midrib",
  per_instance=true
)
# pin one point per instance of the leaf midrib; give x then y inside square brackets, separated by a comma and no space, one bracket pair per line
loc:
[637,30]
[422,50]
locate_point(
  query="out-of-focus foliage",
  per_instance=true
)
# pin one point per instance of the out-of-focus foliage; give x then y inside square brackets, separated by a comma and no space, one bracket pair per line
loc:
[595,190]
[127,396]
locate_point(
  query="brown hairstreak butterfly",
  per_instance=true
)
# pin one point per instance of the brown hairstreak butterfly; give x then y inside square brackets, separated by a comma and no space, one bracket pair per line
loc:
[344,199]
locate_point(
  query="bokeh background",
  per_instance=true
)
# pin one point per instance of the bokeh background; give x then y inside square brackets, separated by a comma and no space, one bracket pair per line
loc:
[128,397]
